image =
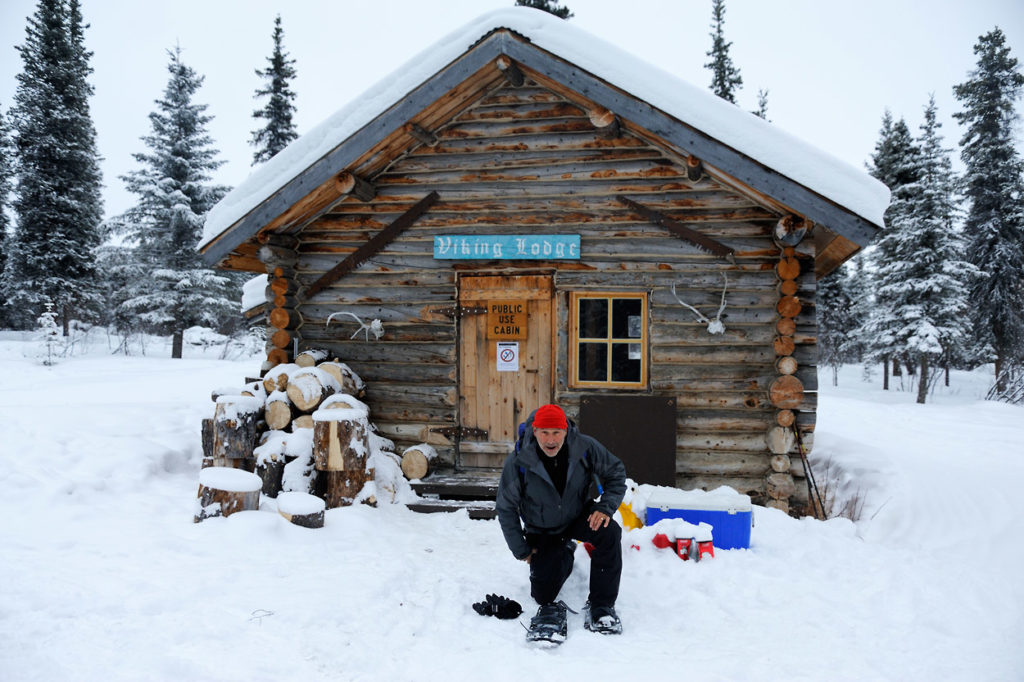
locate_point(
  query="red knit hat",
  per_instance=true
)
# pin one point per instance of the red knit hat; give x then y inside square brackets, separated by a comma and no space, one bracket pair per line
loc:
[550,417]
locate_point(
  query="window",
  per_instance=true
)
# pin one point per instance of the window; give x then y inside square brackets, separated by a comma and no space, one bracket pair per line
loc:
[608,340]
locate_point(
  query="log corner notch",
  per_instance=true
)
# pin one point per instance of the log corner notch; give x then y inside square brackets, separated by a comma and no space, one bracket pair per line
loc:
[790,231]
[512,73]
[694,168]
[353,185]
[606,122]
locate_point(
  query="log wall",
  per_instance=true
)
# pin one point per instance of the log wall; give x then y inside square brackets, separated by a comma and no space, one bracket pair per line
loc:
[527,159]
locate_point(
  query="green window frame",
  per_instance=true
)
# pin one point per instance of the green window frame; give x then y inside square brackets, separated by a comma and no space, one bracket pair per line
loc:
[608,345]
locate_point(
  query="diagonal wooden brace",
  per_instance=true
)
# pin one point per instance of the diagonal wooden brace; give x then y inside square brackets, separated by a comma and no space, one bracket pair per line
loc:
[682,231]
[372,247]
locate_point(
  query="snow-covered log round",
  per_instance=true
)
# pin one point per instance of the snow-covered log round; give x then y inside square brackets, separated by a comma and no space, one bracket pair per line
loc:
[276,379]
[303,421]
[234,428]
[255,389]
[309,386]
[418,461]
[349,380]
[309,358]
[302,509]
[279,410]
[224,491]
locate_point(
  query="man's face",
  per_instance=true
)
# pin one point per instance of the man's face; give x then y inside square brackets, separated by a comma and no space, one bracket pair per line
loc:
[550,440]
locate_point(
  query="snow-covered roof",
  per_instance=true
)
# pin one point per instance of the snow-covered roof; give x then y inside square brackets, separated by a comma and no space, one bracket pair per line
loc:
[818,171]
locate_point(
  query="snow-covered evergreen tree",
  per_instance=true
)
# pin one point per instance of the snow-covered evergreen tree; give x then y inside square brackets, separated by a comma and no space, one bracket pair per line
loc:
[549,6]
[927,277]
[57,204]
[175,193]
[993,184]
[896,162]
[279,128]
[48,336]
[6,173]
[834,306]
[725,77]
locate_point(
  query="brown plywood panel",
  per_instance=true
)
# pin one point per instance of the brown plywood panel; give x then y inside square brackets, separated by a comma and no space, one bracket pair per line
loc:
[639,429]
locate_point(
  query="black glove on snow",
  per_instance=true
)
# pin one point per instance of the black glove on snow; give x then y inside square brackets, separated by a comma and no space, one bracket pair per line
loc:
[495,605]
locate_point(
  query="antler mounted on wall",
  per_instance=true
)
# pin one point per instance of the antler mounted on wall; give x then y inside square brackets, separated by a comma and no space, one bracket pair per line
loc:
[715,326]
[375,327]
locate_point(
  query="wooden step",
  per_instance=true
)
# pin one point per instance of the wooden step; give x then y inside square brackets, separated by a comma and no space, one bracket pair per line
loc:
[477,509]
[477,484]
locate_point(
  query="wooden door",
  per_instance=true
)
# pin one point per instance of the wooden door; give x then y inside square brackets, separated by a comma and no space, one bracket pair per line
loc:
[494,397]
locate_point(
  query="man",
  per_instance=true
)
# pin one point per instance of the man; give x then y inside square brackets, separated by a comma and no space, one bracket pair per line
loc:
[546,482]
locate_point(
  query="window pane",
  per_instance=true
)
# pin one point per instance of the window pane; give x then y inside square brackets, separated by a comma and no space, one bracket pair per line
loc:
[627,316]
[626,362]
[593,362]
[593,318]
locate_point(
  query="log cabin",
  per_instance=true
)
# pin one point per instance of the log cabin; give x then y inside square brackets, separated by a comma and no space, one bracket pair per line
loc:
[533,215]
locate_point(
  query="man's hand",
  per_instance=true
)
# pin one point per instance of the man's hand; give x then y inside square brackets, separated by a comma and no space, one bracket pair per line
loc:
[598,519]
[530,555]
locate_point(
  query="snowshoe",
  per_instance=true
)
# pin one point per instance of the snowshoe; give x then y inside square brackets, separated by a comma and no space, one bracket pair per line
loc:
[549,626]
[602,619]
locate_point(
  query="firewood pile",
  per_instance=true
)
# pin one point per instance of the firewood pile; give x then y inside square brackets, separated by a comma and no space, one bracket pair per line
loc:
[301,429]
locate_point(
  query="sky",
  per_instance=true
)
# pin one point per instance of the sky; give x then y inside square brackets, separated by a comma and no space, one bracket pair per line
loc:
[831,69]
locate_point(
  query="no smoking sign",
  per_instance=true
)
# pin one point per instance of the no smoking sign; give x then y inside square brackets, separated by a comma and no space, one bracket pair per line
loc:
[508,356]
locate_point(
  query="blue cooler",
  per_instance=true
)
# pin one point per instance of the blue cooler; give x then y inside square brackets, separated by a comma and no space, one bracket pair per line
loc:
[730,515]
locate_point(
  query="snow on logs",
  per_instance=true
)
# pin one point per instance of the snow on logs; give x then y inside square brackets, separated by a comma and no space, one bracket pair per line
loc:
[418,461]
[341,449]
[224,491]
[302,509]
[268,428]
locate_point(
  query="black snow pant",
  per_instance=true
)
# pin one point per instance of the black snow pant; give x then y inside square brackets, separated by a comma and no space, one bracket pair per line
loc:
[552,563]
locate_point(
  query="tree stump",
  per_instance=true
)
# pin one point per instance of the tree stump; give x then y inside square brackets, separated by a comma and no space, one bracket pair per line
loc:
[302,509]
[309,386]
[224,491]
[418,461]
[341,448]
[234,429]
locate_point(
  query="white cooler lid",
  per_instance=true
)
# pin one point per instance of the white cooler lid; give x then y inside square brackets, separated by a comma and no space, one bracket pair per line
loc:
[721,499]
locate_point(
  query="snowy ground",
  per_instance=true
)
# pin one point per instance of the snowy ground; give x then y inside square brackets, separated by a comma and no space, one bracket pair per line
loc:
[105,577]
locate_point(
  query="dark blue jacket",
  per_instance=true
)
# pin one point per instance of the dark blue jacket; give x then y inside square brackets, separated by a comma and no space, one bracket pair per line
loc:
[528,501]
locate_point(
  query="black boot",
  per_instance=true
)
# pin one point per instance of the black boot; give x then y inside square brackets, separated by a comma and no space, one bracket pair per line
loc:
[549,625]
[601,619]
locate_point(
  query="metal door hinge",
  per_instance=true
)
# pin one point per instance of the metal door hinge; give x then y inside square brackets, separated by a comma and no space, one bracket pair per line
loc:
[456,312]
[460,432]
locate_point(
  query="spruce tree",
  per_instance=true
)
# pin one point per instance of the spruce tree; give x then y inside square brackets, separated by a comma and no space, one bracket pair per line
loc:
[279,128]
[6,173]
[174,194]
[549,6]
[995,191]
[725,77]
[896,163]
[834,306]
[925,276]
[57,205]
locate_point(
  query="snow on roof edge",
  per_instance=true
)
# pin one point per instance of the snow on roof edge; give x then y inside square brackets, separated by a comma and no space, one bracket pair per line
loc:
[723,121]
